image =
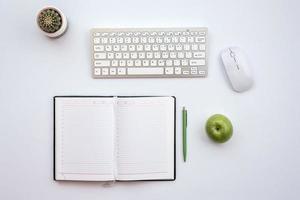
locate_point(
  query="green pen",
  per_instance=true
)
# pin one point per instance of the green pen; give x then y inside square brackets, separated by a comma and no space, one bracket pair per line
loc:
[184,127]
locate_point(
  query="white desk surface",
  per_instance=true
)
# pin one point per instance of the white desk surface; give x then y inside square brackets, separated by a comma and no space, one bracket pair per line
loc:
[262,159]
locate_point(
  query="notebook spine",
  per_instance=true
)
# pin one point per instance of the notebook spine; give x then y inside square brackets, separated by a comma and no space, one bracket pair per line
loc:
[115,138]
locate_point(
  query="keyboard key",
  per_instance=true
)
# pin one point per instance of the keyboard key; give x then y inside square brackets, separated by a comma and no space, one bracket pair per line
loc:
[178,47]
[157,55]
[184,62]
[96,40]
[147,47]
[199,54]
[153,33]
[177,70]
[167,40]
[188,54]
[185,72]
[127,40]
[194,72]
[145,71]
[126,55]
[155,47]
[97,71]
[151,40]
[123,47]
[169,33]
[173,55]
[110,55]
[145,63]
[98,48]
[102,63]
[108,48]
[131,48]
[171,47]
[165,55]
[201,47]
[141,55]
[120,40]
[197,62]
[190,39]
[129,63]
[163,47]
[176,62]
[180,55]
[99,55]
[138,63]
[200,39]
[112,71]
[194,47]
[161,33]
[169,70]
[112,40]
[202,72]
[104,71]
[118,55]
[116,47]
[169,63]
[143,40]
[121,71]
[122,63]
[104,40]
[114,63]
[135,40]
[153,62]
[145,33]
[149,55]
[175,39]
[159,40]
[139,47]
[186,47]
[133,55]
[182,39]
[161,62]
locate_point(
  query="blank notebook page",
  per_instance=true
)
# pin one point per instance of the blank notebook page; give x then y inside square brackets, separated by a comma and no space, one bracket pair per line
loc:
[145,134]
[84,138]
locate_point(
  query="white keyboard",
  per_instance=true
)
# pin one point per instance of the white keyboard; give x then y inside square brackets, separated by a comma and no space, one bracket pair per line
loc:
[149,52]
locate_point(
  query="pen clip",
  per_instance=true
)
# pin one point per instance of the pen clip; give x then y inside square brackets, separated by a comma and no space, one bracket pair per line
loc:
[186,118]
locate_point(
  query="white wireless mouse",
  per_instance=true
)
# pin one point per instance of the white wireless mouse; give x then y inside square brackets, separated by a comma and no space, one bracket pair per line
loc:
[237,68]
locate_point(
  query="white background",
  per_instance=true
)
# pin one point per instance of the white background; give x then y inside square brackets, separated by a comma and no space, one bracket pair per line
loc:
[262,159]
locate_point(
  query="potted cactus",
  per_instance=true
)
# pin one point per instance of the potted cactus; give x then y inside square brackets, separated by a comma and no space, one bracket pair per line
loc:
[52,22]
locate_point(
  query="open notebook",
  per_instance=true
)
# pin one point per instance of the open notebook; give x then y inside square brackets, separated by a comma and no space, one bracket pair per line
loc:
[114,138]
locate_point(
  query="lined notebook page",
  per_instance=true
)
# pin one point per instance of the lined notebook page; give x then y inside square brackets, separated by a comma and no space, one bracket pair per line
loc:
[145,133]
[84,138]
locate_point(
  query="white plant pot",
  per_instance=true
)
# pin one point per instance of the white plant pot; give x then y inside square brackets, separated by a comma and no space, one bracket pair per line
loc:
[62,29]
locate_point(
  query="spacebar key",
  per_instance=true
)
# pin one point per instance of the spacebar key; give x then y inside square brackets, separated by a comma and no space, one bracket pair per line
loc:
[145,70]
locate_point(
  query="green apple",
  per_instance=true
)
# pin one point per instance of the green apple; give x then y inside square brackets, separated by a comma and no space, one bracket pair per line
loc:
[219,128]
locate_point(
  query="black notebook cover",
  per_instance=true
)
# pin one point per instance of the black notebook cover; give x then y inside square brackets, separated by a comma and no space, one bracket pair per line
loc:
[118,97]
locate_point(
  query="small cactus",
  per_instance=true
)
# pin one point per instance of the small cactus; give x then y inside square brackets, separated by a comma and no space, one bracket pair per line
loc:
[49,20]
